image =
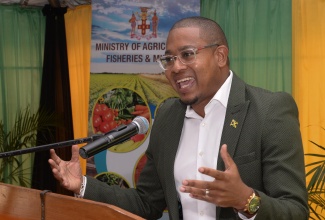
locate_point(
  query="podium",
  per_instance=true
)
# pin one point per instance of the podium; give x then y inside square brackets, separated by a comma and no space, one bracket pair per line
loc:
[18,203]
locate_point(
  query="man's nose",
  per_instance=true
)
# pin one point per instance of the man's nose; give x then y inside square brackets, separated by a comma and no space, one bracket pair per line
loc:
[178,65]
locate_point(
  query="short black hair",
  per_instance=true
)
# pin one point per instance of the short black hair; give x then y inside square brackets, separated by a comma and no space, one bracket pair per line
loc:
[209,29]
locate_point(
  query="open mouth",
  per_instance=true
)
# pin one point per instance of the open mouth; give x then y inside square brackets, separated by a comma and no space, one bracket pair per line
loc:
[184,83]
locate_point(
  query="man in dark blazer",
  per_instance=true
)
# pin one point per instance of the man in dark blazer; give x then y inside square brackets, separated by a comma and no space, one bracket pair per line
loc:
[258,162]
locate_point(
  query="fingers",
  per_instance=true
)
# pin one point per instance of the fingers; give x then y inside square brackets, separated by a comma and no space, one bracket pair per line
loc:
[196,193]
[198,187]
[224,189]
[54,164]
[215,174]
[55,169]
[229,162]
[54,161]
[195,187]
[54,156]
[75,153]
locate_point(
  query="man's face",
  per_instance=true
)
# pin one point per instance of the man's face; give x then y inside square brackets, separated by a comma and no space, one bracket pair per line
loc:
[195,83]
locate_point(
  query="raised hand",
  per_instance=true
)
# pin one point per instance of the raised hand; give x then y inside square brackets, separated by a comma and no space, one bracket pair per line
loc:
[68,173]
[226,190]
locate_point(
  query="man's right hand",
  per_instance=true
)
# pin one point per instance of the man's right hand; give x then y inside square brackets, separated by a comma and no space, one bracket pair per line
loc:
[68,173]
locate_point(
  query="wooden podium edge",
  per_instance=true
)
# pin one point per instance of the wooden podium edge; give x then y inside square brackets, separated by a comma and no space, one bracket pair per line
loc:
[17,203]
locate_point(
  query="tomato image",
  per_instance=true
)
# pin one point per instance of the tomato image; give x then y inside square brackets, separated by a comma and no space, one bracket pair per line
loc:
[112,124]
[138,137]
[97,120]
[104,109]
[104,127]
[108,116]
[98,109]
[117,107]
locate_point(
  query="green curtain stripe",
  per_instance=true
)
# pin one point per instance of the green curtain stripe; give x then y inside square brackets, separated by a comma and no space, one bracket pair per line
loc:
[22,32]
[259,36]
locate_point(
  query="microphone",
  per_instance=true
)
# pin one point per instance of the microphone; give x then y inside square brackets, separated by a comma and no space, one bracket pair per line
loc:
[139,125]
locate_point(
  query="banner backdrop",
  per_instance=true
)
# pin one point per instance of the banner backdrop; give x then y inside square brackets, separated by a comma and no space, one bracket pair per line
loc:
[125,79]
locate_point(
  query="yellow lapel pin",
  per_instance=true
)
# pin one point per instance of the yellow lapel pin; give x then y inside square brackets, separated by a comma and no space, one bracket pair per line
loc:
[234,123]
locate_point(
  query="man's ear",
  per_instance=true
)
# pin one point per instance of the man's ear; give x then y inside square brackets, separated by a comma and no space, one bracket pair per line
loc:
[221,54]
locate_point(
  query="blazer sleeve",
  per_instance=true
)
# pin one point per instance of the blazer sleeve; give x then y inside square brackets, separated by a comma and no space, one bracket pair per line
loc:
[139,201]
[284,194]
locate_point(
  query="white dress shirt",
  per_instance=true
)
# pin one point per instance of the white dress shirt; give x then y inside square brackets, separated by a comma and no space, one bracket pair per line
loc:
[199,147]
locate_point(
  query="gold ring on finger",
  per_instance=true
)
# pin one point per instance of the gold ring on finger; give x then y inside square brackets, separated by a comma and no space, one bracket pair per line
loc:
[207,191]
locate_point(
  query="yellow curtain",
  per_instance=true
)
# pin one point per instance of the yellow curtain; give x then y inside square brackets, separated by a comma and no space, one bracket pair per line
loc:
[78,34]
[308,38]
[308,44]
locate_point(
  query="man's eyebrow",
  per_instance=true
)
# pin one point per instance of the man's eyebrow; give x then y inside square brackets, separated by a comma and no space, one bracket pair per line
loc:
[186,47]
[167,52]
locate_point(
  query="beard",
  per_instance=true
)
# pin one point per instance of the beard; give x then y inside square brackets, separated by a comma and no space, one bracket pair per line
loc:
[189,102]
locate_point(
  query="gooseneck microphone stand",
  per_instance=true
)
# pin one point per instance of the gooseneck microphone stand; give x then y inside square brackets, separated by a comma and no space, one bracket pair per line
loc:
[50,146]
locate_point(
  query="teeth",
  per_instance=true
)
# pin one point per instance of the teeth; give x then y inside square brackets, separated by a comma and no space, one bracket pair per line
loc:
[183,80]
